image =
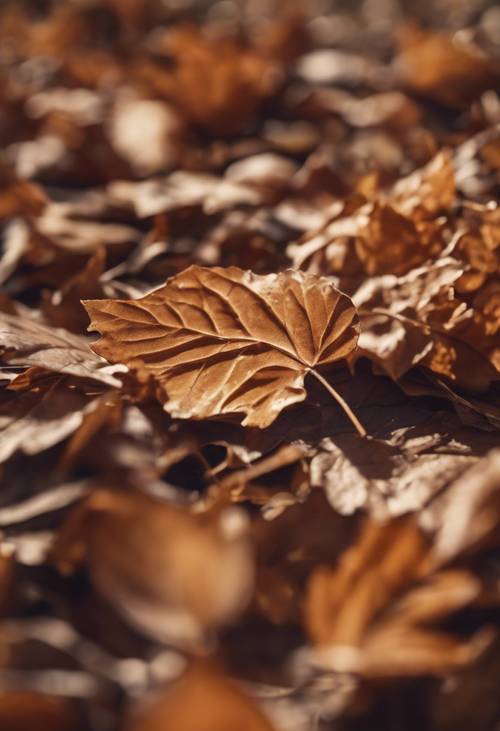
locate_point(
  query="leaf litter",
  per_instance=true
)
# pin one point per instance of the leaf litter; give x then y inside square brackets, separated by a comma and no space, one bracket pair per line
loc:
[250,397]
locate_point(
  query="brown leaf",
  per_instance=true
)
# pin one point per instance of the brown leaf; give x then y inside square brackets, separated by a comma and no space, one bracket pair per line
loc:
[219,341]
[170,573]
[86,221]
[46,414]
[19,197]
[445,68]
[466,516]
[427,191]
[184,189]
[64,308]
[343,601]
[385,479]
[25,341]
[393,234]
[416,320]
[217,83]
[378,612]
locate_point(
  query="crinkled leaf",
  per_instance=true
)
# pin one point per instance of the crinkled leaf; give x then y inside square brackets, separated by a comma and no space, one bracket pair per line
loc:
[219,341]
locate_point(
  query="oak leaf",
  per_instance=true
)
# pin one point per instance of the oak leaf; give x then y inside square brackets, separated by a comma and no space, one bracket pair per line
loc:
[224,341]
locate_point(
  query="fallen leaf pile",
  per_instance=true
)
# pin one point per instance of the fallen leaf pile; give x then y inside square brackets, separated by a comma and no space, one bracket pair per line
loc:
[249,365]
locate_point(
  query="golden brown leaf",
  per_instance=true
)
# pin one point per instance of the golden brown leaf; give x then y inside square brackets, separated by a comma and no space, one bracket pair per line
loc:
[223,341]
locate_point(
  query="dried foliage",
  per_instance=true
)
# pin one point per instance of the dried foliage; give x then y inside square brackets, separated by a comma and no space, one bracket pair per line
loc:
[250,358]
[220,341]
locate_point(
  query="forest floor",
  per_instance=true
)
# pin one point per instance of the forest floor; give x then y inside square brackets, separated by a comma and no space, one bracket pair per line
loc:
[250,355]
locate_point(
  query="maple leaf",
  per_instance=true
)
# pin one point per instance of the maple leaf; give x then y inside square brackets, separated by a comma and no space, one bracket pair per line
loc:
[219,341]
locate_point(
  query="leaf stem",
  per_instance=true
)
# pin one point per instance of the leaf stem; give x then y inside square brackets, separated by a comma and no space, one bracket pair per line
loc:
[345,406]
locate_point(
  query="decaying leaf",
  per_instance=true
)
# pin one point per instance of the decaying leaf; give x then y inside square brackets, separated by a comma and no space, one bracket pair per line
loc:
[219,341]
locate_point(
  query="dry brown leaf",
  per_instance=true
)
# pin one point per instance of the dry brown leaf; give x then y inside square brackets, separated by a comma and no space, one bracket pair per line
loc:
[466,516]
[172,574]
[63,308]
[445,68]
[222,341]
[86,221]
[218,83]
[376,612]
[202,700]
[25,341]
[428,191]
[46,413]
[392,234]
[18,197]
[184,189]
[343,601]
[417,320]
[385,479]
